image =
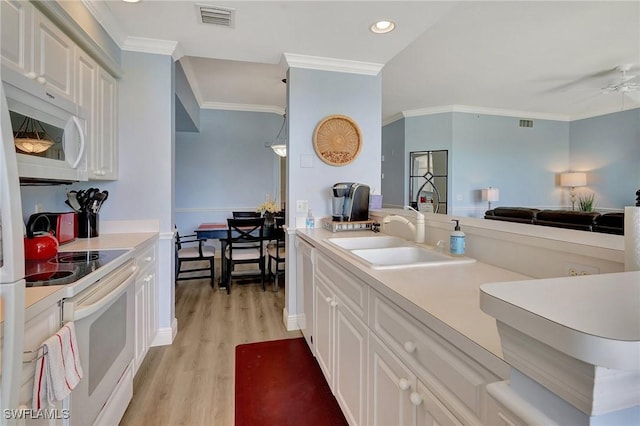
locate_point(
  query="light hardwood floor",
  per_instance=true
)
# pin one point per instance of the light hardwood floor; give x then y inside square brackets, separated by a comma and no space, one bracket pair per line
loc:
[191,382]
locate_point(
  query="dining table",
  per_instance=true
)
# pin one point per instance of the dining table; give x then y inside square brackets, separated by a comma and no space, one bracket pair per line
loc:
[219,231]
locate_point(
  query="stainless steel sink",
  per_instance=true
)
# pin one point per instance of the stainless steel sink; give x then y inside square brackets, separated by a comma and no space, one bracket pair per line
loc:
[408,256]
[356,243]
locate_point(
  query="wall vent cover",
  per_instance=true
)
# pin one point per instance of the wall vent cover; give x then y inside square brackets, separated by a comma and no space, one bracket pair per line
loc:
[526,123]
[216,15]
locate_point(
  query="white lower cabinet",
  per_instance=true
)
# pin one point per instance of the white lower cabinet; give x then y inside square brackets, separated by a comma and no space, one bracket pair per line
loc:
[37,330]
[341,350]
[391,384]
[383,365]
[397,397]
[146,322]
[305,258]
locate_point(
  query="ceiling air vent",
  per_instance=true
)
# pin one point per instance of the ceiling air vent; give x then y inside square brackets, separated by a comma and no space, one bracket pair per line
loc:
[215,15]
[526,123]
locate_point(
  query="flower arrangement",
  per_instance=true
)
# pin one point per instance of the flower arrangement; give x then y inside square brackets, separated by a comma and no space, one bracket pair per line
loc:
[268,207]
[586,202]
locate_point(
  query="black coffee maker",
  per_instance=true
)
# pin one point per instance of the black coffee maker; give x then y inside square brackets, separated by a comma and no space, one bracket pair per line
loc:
[350,202]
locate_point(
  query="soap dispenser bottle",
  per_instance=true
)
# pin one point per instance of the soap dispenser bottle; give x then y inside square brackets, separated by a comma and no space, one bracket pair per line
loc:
[457,240]
[310,222]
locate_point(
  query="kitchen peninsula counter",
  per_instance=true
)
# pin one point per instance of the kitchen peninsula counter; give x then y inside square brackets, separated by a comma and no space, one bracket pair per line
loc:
[39,298]
[445,298]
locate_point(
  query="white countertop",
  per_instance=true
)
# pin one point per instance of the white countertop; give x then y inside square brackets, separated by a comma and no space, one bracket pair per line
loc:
[594,318]
[38,298]
[446,298]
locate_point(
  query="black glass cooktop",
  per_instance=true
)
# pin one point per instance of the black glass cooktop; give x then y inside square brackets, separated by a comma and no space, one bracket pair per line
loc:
[67,267]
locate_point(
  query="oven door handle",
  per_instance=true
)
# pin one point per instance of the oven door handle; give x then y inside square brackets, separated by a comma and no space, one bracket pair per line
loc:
[84,311]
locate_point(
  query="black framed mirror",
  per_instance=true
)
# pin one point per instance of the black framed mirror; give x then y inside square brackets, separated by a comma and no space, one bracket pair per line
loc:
[428,180]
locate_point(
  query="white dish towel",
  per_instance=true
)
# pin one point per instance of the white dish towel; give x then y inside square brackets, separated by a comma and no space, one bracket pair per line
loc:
[58,369]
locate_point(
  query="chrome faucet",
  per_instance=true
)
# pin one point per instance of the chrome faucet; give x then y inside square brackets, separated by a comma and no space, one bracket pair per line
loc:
[418,229]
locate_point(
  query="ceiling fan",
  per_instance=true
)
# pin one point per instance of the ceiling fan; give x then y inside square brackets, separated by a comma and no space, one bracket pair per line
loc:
[625,84]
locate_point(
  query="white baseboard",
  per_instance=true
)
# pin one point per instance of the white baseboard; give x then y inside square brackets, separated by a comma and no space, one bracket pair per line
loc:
[291,321]
[165,335]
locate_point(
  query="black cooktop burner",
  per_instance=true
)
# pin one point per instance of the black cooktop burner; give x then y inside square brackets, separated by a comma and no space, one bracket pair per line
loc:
[67,267]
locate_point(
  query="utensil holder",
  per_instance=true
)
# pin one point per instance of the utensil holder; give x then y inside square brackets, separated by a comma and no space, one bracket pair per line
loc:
[88,225]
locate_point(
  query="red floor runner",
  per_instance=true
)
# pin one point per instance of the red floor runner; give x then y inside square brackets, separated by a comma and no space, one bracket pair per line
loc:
[280,383]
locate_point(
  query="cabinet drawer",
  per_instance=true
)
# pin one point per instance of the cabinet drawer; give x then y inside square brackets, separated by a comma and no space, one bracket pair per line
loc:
[146,257]
[435,361]
[353,291]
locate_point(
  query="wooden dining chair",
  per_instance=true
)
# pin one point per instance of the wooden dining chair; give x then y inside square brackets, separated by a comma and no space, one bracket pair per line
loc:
[277,253]
[245,215]
[190,248]
[244,245]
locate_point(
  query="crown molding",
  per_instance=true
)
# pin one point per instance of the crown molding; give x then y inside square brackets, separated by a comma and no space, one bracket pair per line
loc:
[151,45]
[485,111]
[243,107]
[602,112]
[293,60]
[392,119]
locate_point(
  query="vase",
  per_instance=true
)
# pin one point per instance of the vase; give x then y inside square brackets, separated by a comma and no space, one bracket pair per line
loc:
[269,218]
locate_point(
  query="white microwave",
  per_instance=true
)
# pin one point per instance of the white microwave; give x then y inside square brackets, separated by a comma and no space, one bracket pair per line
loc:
[63,158]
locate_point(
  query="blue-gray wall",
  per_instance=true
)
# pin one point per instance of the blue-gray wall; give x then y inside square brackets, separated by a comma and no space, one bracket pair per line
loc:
[312,96]
[393,164]
[524,163]
[608,149]
[187,106]
[434,132]
[225,166]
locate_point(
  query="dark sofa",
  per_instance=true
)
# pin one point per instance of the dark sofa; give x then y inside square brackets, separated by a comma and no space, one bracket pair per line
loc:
[610,223]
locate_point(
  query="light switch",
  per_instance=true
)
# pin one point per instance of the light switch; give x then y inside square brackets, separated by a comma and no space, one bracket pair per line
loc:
[302,206]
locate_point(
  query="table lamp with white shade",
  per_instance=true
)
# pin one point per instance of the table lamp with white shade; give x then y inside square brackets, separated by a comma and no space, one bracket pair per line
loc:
[490,194]
[571,180]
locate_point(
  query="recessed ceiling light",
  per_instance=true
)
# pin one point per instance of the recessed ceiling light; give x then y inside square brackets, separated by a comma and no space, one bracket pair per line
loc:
[382,27]
[131,1]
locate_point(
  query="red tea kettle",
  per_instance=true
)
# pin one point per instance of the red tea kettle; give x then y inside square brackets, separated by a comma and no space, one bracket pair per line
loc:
[41,245]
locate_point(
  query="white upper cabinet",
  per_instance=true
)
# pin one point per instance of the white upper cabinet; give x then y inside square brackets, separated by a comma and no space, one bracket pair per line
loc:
[53,58]
[96,93]
[17,24]
[41,59]
[103,159]
[36,55]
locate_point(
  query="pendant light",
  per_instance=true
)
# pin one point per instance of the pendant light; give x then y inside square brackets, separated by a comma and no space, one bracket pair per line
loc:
[31,137]
[279,144]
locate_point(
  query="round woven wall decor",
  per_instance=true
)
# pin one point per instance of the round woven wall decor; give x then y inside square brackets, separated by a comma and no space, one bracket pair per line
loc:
[337,140]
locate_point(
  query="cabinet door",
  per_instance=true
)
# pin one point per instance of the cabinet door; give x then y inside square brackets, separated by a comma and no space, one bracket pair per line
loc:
[390,386]
[431,411]
[324,323]
[86,80]
[304,275]
[351,345]
[16,19]
[104,157]
[140,327]
[53,58]
[152,322]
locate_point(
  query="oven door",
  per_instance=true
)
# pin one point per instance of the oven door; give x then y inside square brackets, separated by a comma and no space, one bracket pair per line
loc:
[104,319]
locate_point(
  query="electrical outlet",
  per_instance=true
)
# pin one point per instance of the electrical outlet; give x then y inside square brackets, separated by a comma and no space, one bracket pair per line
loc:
[575,269]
